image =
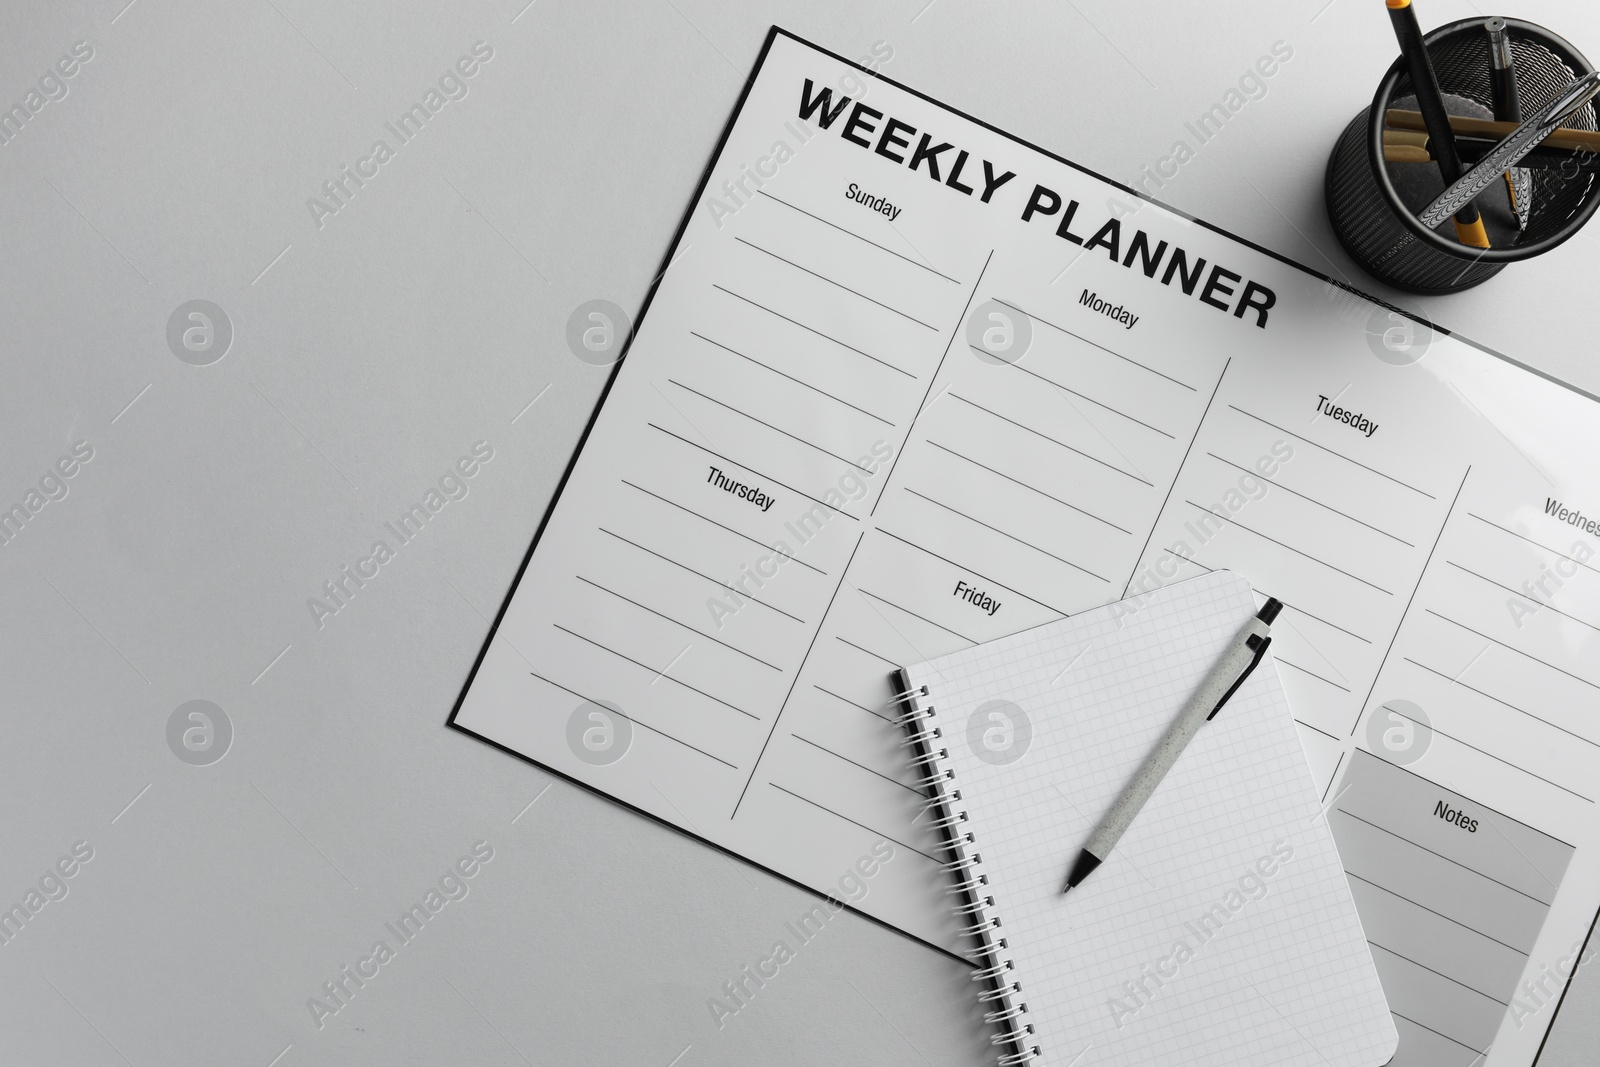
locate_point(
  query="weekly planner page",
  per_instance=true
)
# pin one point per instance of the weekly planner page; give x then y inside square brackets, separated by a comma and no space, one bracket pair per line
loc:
[907,384]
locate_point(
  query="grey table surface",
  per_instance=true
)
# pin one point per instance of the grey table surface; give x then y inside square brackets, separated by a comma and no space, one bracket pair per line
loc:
[370,348]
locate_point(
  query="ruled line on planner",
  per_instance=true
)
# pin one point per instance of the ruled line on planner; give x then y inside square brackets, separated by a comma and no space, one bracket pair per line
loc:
[851,821]
[1012,536]
[1322,813]
[675,622]
[657,674]
[1304,496]
[923,404]
[1441,974]
[1175,554]
[1456,680]
[868,651]
[798,381]
[1485,752]
[1480,1052]
[1173,485]
[1331,452]
[1026,485]
[1285,603]
[1440,914]
[1317,650]
[701,574]
[768,425]
[914,615]
[1318,618]
[912,245]
[1518,592]
[671,663]
[969,570]
[1087,421]
[1513,648]
[1017,365]
[1531,541]
[684,415]
[1423,573]
[857,236]
[635,719]
[752,470]
[1292,607]
[813,329]
[1316,729]
[853,763]
[917,651]
[1024,426]
[714,522]
[821,622]
[841,285]
[853,704]
[1096,344]
[1314,674]
[1281,544]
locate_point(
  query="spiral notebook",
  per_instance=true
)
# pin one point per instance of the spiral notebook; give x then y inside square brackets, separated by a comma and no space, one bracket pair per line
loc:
[1222,929]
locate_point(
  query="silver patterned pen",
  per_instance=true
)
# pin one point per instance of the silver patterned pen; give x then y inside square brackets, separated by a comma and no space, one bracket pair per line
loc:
[1505,155]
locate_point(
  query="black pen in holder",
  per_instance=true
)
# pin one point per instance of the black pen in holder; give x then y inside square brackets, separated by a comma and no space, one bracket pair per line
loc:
[1373,204]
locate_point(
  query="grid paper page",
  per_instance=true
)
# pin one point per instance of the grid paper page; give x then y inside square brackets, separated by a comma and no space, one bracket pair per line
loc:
[1222,929]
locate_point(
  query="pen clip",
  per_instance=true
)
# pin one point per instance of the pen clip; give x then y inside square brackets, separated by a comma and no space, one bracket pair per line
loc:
[1259,644]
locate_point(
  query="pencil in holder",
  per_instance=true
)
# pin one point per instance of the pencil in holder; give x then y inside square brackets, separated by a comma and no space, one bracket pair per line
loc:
[1374,203]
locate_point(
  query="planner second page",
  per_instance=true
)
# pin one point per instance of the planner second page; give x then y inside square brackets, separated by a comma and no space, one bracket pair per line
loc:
[907,383]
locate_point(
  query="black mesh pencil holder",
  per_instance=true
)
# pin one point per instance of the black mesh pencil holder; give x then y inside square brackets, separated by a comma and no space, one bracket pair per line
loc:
[1373,204]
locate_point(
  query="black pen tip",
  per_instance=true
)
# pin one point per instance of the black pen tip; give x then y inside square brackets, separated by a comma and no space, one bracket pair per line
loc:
[1269,610]
[1081,868]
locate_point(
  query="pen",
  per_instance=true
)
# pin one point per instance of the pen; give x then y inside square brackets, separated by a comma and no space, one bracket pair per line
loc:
[1469,227]
[1508,108]
[1226,677]
[1510,151]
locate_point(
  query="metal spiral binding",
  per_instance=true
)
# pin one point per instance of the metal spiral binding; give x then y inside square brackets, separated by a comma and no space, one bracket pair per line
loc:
[1001,995]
